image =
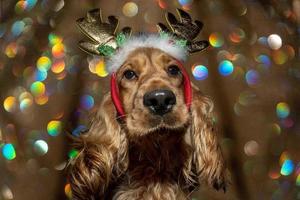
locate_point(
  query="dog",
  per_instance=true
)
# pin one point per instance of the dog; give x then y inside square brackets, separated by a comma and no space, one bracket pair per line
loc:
[160,149]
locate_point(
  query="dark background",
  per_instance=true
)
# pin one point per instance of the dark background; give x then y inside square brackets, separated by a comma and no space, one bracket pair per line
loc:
[48,89]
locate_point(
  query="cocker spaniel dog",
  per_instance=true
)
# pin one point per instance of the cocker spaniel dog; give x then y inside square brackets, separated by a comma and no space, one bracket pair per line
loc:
[153,136]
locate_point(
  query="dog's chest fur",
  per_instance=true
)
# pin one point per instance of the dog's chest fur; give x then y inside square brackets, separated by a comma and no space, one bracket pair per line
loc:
[158,157]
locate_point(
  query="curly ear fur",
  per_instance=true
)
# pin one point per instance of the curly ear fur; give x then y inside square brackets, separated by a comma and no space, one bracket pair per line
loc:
[102,155]
[207,158]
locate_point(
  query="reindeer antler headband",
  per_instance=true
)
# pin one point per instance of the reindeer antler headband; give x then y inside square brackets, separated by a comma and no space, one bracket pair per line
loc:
[177,41]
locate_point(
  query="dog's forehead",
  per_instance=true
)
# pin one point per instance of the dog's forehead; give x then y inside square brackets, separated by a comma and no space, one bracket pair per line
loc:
[144,57]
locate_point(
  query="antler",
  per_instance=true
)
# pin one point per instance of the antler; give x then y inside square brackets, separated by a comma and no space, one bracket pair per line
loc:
[184,29]
[104,40]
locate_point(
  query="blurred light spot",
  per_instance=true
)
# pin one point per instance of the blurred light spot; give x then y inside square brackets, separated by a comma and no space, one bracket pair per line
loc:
[30,4]
[226,68]
[10,104]
[68,191]
[274,174]
[185,2]
[6,193]
[58,66]
[58,50]
[11,50]
[284,156]
[251,148]
[20,6]
[264,59]
[40,147]
[263,40]
[44,63]
[61,166]
[54,128]
[25,104]
[275,128]
[40,75]
[282,110]
[130,9]
[17,28]
[100,68]
[162,4]
[37,88]
[73,153]
[86,102]
[200,72]
[8,151]
[252,77]
[216,39]
[287,167]
[279,57]
[42,99]
[78,130]
[54,39]
[298,180]
[237,35]
[274,41]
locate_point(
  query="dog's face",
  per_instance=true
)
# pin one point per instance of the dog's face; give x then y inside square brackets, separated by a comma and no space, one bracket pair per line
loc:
[151,90]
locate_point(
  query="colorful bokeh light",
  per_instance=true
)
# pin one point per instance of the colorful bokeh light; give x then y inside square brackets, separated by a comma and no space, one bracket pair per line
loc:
[287,167]
[9,104]
[216,39]
[40,147]
[37,88]
[86,102]
[226,68]
[200,72]
[282,110]
[54,127]
[252,77]
[44,63]
[8,151]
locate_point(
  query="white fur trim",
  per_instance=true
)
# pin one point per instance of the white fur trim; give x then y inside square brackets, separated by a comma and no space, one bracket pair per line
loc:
[151,41]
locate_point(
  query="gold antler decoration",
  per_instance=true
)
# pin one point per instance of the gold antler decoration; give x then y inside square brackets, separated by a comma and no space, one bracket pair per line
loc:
[104,40]
[185,30]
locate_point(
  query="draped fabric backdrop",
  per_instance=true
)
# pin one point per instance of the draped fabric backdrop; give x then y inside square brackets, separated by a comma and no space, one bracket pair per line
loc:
[49,88]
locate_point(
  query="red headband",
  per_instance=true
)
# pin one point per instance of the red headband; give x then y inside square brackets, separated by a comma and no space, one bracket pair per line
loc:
[114,90]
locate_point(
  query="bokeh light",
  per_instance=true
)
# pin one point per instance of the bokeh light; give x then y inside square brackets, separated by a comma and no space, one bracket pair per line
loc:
[226,68]
[282,110]
[279,57]
[44,63]
[274,41]
[200,72]
[10,104]
[11,50]
[58,66]
[68,191]
[40,75]
[25,104]
[58,50]
[287,167]
[37,88]
[185,2]
[73,153]
[216,39]
[252,77]
[8,151]
[17,28]
[86,102]
[54,128]
[130,9]
[237,35]
[40,147]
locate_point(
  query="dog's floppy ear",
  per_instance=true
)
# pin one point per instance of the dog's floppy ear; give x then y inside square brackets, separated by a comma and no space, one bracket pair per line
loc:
[207,155]
[102,154]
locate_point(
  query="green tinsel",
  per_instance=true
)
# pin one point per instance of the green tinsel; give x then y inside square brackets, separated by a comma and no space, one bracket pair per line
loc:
[106,50]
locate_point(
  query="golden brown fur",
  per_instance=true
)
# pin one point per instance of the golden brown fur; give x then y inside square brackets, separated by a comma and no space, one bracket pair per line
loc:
[145,156]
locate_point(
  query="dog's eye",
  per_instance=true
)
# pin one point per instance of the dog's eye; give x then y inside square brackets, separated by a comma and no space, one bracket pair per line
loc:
[173,70]
[129,74]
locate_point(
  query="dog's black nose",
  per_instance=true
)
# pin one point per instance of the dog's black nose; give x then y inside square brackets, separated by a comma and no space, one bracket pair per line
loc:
[160,102]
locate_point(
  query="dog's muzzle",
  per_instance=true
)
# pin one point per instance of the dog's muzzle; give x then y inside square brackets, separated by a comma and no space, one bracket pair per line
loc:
[162,103]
